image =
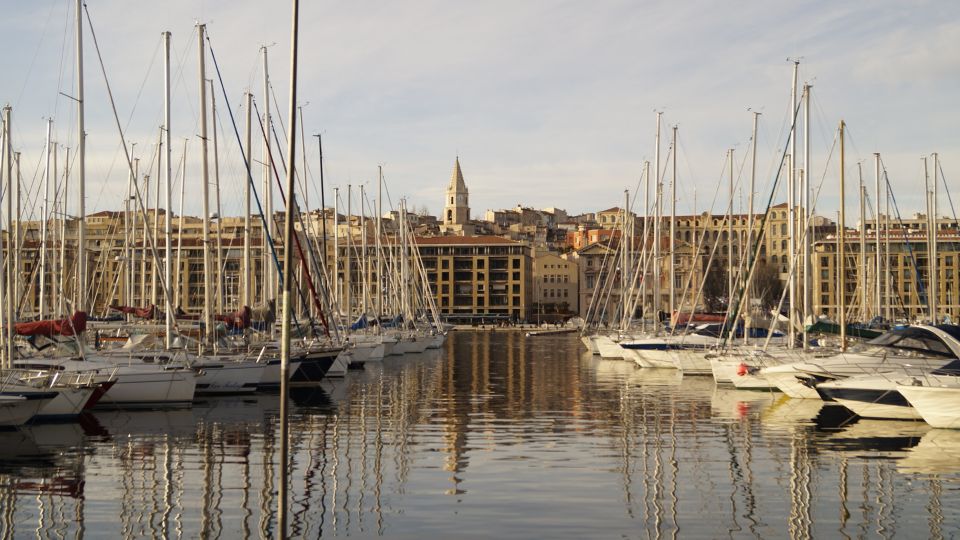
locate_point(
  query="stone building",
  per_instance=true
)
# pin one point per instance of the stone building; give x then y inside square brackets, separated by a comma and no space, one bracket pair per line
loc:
[479,278]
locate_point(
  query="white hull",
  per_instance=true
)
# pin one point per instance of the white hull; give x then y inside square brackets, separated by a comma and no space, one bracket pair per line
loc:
[939,406]
[69,401]
[271,372]
[136,384]
[788,383]
[590,343]
[436,341]
[228,376]
[151,387]
[693,362]
[17,410]
[864,409]
[340,364]
[608,348]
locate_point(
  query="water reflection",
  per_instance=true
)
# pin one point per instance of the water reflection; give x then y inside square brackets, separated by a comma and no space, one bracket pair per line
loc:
[495,434]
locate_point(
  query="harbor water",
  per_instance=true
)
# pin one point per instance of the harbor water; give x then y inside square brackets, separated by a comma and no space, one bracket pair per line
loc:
[494,435]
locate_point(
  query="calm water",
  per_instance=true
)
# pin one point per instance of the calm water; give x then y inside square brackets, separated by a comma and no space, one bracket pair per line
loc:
[496,435]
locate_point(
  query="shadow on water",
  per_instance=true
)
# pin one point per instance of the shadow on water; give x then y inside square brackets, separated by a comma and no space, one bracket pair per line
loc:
[495,434]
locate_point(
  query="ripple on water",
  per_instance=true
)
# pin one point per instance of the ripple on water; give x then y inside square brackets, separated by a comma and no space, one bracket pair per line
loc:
[494,435]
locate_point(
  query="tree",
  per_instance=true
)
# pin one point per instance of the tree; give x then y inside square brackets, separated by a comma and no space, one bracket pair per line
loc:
[767,287]
[715,290]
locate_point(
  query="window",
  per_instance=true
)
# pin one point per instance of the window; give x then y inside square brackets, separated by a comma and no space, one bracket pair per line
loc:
[445,263]
[516,263]
[516,276]
[444,289]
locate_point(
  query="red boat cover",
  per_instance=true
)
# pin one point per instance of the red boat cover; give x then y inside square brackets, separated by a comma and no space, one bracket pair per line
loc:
[239,320]
[692,318]
[54,327]
[141,313]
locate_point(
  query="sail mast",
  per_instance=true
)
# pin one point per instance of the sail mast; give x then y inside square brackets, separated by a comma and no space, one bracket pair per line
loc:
[8,301]
[876,236]
[673,231]
[205,178]
[841,251]
[167,220]
[269,287]
[807,213]
[791,216]
[730,231]
[247,261]
[656,228]
[862,270]
[44,217]
[216,184]
[934,250]
[81,286]
[288,263]
[750,223]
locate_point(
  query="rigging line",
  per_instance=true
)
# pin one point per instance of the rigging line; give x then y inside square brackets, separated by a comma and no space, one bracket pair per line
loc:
[148,231]
[921,291]
[947,189]
[280,145]
[63,52]
[745,279]
[36,52]
[296,238]
[246,162]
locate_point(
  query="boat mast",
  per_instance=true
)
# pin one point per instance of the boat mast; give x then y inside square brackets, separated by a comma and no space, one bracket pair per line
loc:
[886,247]
[348,266]
[44,217]
[673,231]
[807,214]
[645,253]
[247,261]
[288,263]
[656,230]
[8,301]
[62,289]
[337,293]
[379,246]
[933,293]
[841,251]
[730,231]
[205,176]
[216,184]
[167,220]
[177,267]
[364,260]
[269,270]
[81,287]
[862,270]
[791,215]
[876,229]
[624,240]
[749,249]
[154,268]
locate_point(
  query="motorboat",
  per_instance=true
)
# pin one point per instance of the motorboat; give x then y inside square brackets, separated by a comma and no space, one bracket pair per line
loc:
[921,347]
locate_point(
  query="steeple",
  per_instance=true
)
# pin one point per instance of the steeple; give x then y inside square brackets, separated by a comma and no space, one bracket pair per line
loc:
[456,210]
[456,179]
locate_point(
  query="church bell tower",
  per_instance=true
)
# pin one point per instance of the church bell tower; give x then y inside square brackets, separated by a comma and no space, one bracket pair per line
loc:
[456,210]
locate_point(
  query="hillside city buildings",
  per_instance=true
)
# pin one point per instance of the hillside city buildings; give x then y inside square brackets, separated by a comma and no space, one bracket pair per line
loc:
[515,264]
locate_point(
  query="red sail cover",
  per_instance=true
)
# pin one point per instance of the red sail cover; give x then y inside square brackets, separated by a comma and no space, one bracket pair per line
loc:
[694,318]
[54,327]
[239,320]
[140,313]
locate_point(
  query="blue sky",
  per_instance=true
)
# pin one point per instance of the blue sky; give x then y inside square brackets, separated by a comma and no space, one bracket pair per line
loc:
[547,103]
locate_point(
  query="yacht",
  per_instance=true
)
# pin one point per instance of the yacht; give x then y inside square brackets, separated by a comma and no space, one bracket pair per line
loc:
[921,347]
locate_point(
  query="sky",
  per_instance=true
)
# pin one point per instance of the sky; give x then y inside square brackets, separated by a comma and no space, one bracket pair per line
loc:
[546,103]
